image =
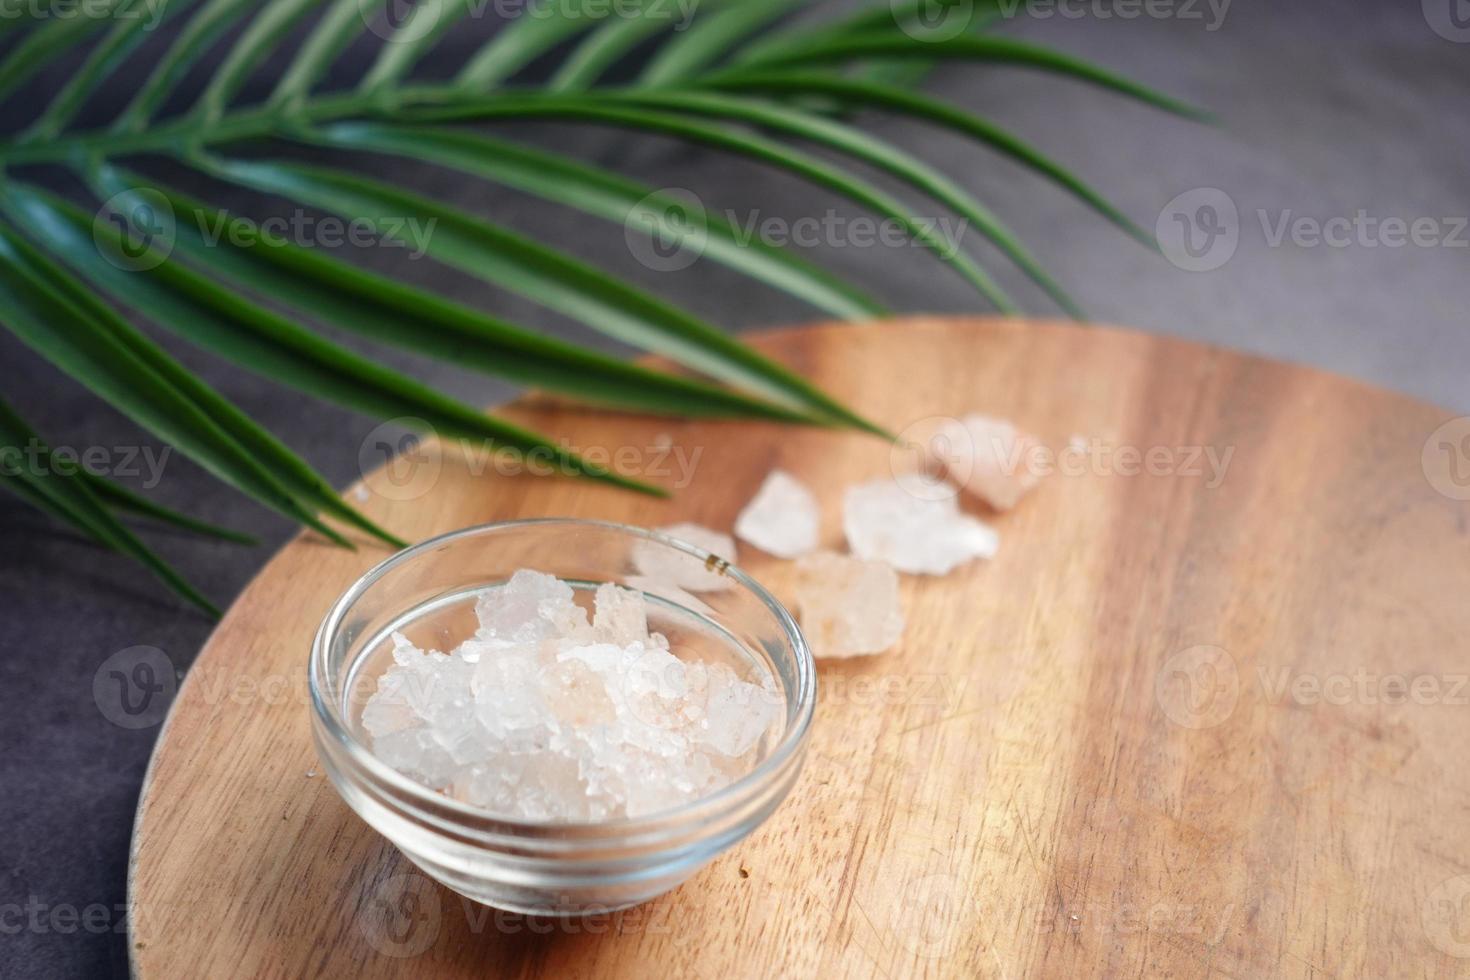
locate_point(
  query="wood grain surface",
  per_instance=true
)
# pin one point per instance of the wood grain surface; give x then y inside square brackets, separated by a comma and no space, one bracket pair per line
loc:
[1205,714]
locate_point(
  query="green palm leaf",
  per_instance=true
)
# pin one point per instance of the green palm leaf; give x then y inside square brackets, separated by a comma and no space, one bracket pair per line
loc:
[605,109]
[636,206]
[22,440]
[52,39]
[743,78]
[73,500]
[36,306]
[228,324]
[254,45]
[122,499]
[199,33]
[844,139]
[527,38]
[711,37]
[997,50]
[105,58]
[341,22]
[426,23]
[383,309]
[602,48]
[896,14]
[869,94]
[539,273]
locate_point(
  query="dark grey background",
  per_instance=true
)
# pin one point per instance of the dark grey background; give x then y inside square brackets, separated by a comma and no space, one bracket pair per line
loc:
[1329,109]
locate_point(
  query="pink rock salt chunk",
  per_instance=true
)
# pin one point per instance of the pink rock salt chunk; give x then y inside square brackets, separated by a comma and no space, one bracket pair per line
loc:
[736,714]
[848,606]
[620,617]
[987,457]
[917,532]
[782,518]
[576,694]
[669,592]
[530,606]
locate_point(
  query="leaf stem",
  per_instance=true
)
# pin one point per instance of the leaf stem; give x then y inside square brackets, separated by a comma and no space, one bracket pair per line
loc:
[182,133]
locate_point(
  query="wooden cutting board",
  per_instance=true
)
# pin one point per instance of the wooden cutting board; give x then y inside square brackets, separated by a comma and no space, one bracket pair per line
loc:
[1204,714]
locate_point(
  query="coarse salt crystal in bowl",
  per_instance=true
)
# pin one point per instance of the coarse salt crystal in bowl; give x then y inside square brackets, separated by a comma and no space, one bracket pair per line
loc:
[542,725]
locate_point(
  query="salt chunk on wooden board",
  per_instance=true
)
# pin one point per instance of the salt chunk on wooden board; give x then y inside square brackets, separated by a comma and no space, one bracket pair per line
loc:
[782,518]
[918,532]
[848,607]
[986,457]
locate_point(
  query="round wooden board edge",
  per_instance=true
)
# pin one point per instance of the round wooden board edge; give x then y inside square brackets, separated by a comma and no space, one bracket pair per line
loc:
[758,338]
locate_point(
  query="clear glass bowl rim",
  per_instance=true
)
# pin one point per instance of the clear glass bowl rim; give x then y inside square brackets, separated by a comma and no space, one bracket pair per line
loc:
[328,713]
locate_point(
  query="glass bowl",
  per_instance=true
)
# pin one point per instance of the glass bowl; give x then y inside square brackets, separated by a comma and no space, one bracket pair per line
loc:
[559,869]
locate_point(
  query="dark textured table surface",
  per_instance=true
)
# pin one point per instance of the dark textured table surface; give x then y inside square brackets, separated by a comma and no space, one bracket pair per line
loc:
[1353,112]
